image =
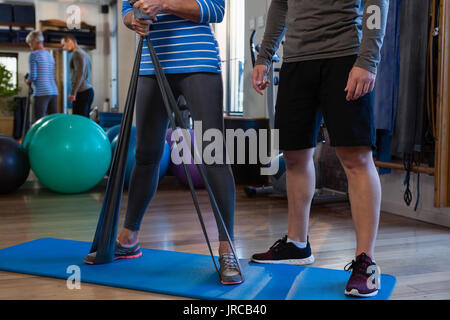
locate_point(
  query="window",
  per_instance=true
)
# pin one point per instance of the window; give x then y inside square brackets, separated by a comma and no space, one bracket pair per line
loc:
[230,35]
[10,61]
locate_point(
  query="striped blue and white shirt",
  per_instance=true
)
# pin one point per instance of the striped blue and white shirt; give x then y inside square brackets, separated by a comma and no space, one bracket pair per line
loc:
[42,73]
[184,46]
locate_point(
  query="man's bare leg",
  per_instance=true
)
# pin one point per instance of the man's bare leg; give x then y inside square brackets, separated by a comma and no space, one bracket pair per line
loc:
[364,189]
[300,184]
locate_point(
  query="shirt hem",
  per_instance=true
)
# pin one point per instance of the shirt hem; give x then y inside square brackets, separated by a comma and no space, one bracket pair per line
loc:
[318,56]
[186,70]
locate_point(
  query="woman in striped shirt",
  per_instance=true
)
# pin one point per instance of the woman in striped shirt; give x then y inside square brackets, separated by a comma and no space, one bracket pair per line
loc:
[187,50]
[42,76]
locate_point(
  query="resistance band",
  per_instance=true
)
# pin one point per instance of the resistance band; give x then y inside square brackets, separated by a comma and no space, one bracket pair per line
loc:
[105,236]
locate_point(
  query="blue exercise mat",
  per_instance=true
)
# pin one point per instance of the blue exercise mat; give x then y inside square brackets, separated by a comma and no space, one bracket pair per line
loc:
[181,274]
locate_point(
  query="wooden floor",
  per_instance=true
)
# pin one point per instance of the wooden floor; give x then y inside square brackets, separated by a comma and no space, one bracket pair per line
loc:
[418,254]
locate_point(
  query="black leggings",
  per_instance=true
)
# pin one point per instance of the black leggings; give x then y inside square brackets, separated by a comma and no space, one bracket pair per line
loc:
[204,96]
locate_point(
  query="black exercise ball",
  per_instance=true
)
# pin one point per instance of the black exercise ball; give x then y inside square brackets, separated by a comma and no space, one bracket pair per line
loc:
[14,165]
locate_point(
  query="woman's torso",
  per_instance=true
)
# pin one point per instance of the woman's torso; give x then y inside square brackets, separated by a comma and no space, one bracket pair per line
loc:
[44,82]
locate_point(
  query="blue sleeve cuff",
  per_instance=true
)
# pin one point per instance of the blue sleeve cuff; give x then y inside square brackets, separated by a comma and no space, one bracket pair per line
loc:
[126,8]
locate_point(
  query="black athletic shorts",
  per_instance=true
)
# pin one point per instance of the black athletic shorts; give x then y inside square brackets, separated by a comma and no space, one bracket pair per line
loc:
[313,90]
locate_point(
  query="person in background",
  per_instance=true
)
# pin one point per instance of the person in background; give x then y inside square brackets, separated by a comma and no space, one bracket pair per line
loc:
[81,94]
[42,75]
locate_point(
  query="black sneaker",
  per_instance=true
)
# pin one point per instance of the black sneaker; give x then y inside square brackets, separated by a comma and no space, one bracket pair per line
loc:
[121,252]
[283,252]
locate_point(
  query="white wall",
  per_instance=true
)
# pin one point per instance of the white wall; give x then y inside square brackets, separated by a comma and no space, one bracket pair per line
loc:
[254,104]
[127,51]
[392,201]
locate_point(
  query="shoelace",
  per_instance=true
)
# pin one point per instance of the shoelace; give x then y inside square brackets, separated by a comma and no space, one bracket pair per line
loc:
[358,267]
[276,246]
[229,261]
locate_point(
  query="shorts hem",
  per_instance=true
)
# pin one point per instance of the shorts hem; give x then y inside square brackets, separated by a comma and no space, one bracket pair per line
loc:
[295,148]
[354,144]
[334,145]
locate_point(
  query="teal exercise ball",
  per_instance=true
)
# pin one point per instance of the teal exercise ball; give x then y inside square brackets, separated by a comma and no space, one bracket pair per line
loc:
[113,132]
[70,154]
[130,155]
[36,126]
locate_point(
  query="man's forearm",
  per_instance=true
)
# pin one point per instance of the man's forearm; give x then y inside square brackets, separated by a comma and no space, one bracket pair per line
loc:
[276,23]
[75,85]
[79,65]
[375,11]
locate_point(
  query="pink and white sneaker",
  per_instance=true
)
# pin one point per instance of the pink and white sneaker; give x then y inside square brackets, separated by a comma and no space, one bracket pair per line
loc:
[121,252]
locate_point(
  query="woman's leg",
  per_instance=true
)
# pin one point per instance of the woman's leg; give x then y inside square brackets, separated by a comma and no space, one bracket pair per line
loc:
[151,127]
[39,108]
[53,105]
[204,96]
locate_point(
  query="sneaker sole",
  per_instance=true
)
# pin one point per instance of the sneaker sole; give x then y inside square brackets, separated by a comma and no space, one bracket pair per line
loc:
[229,283]
[119,258]
[297,262]
[129,257]
[355,293]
